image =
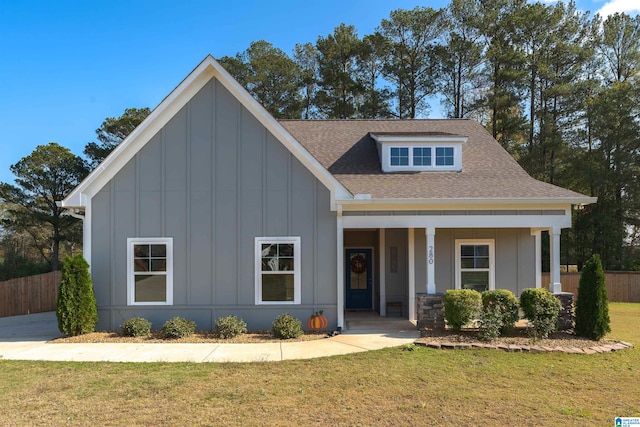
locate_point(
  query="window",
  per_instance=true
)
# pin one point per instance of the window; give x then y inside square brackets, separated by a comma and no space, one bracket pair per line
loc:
[422,156]
[417,158]
[399,156]
[277,270]
[444,156]
[150,271]
[419,151]
[475,265]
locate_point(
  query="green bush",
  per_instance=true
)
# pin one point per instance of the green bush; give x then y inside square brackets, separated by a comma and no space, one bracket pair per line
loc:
[230,327]
[592,306]
[76,307]
[507,307]
[286,326]
[541,308]
[461,306]
[178,327]
[136,327]
[491,322]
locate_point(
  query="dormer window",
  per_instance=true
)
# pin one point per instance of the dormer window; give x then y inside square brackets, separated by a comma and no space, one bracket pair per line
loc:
[444,156]
[422,156]
[399,156]
[417,152]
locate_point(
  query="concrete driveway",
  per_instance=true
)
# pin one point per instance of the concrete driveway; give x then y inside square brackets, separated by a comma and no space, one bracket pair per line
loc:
[30,327]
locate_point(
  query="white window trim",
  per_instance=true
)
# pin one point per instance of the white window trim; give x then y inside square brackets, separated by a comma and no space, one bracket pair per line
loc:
[296,269]
[457,157]
[168,241]
[492,260]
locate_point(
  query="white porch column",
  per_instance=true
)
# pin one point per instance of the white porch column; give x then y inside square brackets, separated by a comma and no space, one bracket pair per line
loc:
[554,245]
[412,273]
[431,255]
[383,269]
[537,235]
[340,263]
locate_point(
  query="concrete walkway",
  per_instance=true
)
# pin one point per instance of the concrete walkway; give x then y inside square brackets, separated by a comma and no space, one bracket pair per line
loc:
[26,338]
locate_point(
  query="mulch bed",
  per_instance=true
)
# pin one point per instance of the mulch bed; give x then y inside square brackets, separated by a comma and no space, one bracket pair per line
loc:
[198,337]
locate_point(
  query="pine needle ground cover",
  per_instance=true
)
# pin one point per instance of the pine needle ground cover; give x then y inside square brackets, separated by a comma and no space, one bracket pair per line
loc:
[388,387]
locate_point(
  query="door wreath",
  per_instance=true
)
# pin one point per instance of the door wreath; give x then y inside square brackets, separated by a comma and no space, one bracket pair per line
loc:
[358,264]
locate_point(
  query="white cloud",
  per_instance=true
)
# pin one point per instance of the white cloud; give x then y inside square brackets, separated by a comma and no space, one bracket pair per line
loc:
[630,7]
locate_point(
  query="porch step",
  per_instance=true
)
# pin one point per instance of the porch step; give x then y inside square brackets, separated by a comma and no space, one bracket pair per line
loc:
[381,324]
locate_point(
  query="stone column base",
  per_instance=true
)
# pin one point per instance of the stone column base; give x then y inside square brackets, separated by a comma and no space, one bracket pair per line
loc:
[430,310]
[567,315]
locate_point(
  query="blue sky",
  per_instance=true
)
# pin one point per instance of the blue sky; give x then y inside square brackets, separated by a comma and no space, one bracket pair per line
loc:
[67,65]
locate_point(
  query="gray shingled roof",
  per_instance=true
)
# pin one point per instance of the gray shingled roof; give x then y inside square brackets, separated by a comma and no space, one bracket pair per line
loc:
[345,148]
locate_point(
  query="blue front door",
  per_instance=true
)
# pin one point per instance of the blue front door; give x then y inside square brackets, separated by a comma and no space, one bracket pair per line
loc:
[358,280]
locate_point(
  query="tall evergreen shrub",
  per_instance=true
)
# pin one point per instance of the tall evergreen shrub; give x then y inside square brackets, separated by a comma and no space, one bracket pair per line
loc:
[76,309]
[592,306]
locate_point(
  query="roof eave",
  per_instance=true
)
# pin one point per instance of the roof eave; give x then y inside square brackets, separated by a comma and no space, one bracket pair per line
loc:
[577,200]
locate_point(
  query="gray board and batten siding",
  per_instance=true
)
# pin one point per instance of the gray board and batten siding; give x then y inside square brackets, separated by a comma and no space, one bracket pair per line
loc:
[514,257]
[213,179]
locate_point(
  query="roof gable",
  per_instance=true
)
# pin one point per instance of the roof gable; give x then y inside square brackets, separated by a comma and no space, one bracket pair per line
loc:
[209,68]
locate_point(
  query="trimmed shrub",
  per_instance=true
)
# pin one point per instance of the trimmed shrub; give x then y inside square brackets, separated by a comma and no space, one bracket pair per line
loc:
[592,306]
[541,308]
[461,306]
[76,307]
[136,327]
[286,326]
[506,305]
[230,327]
[178,327]
[491,322]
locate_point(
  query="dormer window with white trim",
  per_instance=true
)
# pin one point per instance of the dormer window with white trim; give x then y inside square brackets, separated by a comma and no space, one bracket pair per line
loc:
[418,152]
[399,156]
[444,156]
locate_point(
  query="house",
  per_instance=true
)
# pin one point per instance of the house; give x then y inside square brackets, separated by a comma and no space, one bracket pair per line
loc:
[212,207]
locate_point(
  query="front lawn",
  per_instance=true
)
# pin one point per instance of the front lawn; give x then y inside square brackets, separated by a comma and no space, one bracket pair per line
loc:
[388,387]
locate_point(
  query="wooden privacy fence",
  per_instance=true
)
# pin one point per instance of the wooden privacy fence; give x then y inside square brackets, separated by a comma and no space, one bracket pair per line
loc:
[32,294]
[622,286]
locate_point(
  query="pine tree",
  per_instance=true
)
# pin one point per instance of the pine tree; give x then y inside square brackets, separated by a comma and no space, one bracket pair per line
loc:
[76,310]
[592,307]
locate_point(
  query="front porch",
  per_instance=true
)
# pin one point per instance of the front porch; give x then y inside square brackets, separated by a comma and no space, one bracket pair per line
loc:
[499,253]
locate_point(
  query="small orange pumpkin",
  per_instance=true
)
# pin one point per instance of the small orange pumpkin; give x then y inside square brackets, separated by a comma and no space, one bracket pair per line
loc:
[317,321]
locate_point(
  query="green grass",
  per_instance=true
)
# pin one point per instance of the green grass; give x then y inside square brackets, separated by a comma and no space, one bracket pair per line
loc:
[388,387]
